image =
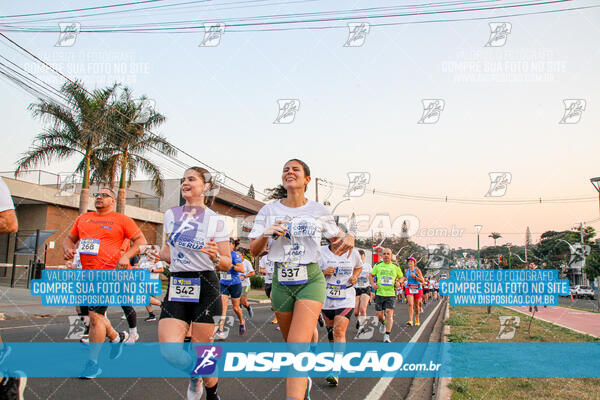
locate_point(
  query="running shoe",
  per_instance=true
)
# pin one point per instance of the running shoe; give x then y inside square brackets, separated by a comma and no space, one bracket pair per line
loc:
[417,323]
[123,317]
[195,389]
[85,340]
[117,347]
[132,338]
[409,323]
[361,330]
[308,387]
[274,320]
[386,338]
[91,370]
[150,318]
[13,387]
[242,329]
[333,380]
[4,353]
[321,320]
[382,327]
[250,312]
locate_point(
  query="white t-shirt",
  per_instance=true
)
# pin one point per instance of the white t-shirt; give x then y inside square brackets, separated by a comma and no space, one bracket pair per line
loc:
[307,225]
[187,229]
[337,295]
[146,264]
[6,202]
[269,266]
[363,278]
[247,269]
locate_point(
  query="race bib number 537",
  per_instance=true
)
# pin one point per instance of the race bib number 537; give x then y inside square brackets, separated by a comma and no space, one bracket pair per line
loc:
[292,274]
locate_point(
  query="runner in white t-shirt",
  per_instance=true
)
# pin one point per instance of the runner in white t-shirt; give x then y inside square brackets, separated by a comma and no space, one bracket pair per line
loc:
[197,244]
[363,294]
[298,288]
[341,274]
[248,272]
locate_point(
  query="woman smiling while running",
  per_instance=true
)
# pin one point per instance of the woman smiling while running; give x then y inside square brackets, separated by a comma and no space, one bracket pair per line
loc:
[197,244]
[298,289]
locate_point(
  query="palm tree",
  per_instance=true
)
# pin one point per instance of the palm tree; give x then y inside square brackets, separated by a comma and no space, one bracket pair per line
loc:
[75,129]
[129,141]
[495,236]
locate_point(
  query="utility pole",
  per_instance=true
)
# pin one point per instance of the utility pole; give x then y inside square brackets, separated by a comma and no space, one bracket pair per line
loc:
[317,190]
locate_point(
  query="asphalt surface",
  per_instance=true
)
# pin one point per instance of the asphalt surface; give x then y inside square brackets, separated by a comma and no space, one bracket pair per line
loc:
[259,328]
[587,304]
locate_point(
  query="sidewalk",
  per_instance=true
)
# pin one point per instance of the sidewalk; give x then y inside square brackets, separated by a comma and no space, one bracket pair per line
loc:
[579,321]
[18,303]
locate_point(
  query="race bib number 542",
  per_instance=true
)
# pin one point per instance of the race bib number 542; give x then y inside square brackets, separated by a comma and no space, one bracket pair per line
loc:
[184,289]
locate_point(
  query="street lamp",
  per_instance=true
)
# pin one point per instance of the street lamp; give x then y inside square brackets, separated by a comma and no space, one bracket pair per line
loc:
[478,229]
[509,245]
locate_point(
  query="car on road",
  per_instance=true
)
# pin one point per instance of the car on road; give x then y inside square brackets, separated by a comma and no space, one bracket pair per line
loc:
[581,291]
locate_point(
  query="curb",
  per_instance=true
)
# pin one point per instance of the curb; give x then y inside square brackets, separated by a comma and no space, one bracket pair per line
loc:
[444,392]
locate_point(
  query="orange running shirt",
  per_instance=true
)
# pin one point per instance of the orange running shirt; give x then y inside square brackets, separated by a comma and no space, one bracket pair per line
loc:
[101,236]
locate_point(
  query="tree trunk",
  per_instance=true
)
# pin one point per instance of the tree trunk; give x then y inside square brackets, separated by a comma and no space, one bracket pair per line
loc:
[122,183]
[85,186]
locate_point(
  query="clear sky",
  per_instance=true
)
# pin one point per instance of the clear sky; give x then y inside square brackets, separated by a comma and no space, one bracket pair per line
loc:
[358,106]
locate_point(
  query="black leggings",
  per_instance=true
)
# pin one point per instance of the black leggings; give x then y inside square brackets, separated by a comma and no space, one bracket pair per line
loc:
[128,310]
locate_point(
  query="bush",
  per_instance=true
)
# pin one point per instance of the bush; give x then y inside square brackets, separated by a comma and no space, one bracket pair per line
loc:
[257,282]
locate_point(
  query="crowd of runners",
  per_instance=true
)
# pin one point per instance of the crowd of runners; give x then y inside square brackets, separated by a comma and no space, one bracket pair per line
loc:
[313,275]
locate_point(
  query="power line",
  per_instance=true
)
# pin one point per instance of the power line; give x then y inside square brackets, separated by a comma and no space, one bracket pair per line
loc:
[317,20]
[147,130]
[449,199]
[80,9]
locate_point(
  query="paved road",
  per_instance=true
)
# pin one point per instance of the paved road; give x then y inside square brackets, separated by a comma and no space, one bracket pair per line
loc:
[580,303]
[259,328]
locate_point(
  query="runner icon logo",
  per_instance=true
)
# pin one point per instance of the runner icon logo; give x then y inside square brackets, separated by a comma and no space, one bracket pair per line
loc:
[368,328]
[357,34]
[432,109]
[573,110]
[499,32]
[207,359]
[76,328]
[68,34]
[287,111]
[212,34]
[508,327]
[226,327]
[498,183]
[357,183]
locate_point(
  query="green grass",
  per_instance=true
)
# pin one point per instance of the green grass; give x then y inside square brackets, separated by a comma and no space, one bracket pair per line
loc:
[473,324]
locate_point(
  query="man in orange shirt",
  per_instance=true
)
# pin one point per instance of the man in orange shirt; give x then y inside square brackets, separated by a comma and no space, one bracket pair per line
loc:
[100,235]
